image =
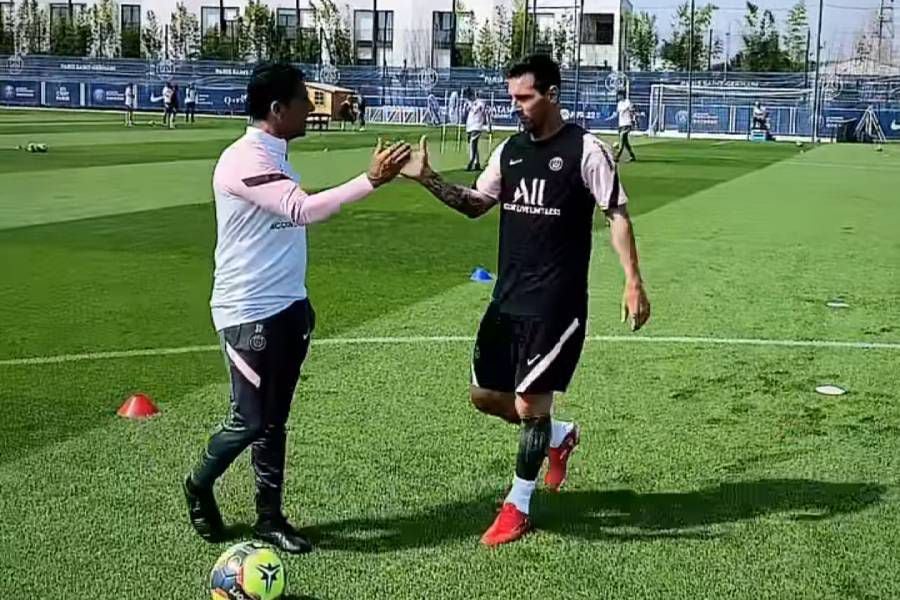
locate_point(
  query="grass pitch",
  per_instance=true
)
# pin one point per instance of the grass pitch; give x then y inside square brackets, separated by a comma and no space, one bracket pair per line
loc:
[708,468]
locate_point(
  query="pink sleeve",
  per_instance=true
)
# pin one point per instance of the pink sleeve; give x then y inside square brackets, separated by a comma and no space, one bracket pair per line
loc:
[255,177]
[600,174]
[490,180]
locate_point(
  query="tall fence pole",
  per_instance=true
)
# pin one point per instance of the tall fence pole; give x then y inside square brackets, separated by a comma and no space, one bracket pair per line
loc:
[690,115]
[816,93]
[578,21]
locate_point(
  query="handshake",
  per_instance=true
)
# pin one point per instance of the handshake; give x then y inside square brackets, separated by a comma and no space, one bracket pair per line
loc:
[398,158]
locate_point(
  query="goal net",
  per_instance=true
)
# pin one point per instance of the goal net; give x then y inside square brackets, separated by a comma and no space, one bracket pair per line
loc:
[729,110]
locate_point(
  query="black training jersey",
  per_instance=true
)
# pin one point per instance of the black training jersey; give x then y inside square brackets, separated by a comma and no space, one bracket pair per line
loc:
[547,191]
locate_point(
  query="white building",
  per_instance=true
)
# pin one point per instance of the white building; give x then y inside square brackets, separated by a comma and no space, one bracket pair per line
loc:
[416,33]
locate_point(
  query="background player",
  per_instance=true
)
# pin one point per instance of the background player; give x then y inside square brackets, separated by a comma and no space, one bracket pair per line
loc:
[259,303]
[547,181]
[130,102]
[190,103]
[168,98]
[626,112]
[477,121]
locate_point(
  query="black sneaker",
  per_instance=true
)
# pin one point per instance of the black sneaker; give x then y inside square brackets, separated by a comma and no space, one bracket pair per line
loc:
[203,512]
[278,532]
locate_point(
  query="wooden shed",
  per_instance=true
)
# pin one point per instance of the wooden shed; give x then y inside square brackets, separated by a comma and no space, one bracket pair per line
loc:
[328,98]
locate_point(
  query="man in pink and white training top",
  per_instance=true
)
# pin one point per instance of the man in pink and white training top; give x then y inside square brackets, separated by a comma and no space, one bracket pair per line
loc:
[259,304]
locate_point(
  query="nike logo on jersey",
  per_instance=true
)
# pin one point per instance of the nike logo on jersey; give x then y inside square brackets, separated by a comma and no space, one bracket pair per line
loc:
[514,161]
[895,126]
[533,359]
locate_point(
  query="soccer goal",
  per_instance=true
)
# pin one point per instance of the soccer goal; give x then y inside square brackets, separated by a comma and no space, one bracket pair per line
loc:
[729,111]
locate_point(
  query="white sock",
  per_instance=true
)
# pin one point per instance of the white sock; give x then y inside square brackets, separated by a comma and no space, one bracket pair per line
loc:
[520,494]
[559,431]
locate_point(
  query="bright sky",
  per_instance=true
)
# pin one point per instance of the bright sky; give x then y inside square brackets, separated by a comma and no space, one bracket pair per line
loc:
[843,19]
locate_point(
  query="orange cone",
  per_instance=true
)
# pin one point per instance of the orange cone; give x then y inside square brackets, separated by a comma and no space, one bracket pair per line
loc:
[138,406]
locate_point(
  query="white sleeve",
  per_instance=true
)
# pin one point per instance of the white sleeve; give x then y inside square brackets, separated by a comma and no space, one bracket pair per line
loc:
[489,182]
[600,175]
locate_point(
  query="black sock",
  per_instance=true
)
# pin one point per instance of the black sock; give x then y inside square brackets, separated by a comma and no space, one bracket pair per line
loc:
[534,440]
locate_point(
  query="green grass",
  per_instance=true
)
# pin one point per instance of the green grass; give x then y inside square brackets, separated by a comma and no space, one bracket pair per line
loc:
[706,471]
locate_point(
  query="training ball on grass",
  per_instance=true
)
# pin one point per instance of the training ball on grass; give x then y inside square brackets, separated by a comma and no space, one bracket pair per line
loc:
[248,571]
[799,144]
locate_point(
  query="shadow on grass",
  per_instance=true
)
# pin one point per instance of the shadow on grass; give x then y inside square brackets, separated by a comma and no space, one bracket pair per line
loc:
[616,515]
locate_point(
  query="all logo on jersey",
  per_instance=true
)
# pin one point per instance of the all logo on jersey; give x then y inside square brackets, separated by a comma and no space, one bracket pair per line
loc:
[556,164]
[529,198]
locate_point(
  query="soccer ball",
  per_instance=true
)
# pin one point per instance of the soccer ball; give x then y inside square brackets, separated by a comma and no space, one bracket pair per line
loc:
[248,571]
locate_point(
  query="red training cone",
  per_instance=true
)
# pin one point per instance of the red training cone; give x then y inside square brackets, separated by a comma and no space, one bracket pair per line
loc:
[138,406]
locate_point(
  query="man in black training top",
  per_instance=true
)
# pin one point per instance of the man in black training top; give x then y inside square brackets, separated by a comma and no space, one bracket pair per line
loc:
[547,181]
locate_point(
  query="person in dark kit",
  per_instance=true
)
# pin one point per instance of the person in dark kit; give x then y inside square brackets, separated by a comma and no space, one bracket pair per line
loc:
[345,112]
[361,111]
[547,182]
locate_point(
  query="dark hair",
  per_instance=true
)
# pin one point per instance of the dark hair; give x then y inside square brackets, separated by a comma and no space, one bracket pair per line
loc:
[271,82]
[544,69]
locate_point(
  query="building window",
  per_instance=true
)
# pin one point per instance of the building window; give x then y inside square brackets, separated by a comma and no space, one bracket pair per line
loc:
[318,97]
[209,20]
[442,29]
[287,22]
[363,33]
[597,29]
[130,31]
[385,29]
[59,13]
[131,17]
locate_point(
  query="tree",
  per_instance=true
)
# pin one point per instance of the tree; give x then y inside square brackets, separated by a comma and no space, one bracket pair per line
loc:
[563,40]
[31,28]
[519,37]
[485,47]
[7,30]
[257,32]
[503,27]
[335,32]
[184,34]
[643,38]
[72,37]
[762,50]
[150,37]
[795,39]
[678,50]
[104,35]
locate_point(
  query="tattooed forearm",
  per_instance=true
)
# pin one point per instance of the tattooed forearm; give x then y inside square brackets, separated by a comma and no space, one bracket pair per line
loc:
[469,202]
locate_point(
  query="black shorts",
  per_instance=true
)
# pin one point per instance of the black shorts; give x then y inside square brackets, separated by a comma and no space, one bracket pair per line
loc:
[527,355]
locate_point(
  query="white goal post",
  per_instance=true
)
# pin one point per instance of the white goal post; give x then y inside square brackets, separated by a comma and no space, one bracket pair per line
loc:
[728,111]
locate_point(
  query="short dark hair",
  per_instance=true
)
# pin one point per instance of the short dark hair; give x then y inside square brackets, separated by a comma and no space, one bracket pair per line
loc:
[545,71]
[271,82]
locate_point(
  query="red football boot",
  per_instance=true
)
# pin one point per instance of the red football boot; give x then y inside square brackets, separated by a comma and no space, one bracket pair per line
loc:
[558,460]
[510,525]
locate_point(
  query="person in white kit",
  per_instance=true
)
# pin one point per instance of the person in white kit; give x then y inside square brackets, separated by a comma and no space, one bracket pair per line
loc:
[625,111]
[129,105]
[190,103]
[168,98]
[476,121]
[259,301]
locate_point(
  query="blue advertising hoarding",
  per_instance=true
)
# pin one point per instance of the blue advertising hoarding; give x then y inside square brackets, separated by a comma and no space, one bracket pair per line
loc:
[20,92]
[62,94]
